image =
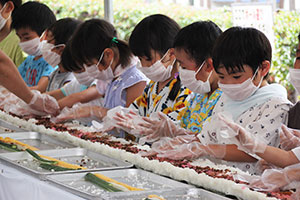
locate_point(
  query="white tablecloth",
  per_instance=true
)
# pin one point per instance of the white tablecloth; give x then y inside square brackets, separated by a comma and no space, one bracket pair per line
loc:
[17,185]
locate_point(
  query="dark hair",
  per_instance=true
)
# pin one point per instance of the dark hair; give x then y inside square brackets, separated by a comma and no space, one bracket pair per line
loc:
[92,37]
[67,61]
[63,29]
[239,46]
[34,15]
[197,39]
[156,32]
[17,3]
[299,37]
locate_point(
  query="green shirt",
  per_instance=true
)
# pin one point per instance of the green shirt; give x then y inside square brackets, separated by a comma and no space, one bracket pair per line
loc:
[10,46]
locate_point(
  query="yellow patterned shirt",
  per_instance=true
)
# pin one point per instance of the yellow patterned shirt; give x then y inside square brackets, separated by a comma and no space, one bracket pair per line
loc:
[152,101]
[199,108]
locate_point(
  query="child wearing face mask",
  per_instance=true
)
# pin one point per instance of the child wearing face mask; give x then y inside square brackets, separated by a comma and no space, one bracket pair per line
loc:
[9,40]
[193,45]
[30,20]
[96,49]
[151,41]
[294,121]
[57,36]
[241,57]
[79,89]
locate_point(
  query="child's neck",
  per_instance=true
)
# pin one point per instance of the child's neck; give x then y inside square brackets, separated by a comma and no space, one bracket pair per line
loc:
[37,57]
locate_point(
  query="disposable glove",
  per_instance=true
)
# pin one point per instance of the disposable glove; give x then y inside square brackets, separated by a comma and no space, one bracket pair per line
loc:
[43,103]
[159,125]
[247,141]
[289,138]
[194,150]
[80,111]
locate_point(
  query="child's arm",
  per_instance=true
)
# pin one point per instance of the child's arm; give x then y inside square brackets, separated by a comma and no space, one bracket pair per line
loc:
[57,94]
[42,84]
[80,97]
[279,157]
[134,92]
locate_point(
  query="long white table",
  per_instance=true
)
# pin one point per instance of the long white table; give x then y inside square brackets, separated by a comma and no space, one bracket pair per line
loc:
[17,185]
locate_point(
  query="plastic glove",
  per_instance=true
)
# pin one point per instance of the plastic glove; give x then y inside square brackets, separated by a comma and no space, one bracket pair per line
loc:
[271,179]
[129,121]
[296,195]
[289,138]
[80,111]
[274,179]
[167,143]
[43,103]
[159,125]
[194,150]
[248,142]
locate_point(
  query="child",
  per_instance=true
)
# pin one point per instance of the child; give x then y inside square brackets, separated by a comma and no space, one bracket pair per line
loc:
[165,93]
[30,21]
[106,58]
[57,36]
[9,40]
[193,45]
[294,121]
[241,58]
[76,90]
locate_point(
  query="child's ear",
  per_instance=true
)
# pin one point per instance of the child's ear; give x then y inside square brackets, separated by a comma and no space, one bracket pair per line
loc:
[61,49]
[9,7]
[209,65]
[265,66]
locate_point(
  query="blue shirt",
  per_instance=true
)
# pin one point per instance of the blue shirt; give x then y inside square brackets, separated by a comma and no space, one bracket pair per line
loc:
[115,94]
[33,70]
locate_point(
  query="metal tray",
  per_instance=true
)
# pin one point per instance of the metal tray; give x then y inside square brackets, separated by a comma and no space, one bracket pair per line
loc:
[38,140]
[178,194]
[8,127]
[152,183]
[91,160]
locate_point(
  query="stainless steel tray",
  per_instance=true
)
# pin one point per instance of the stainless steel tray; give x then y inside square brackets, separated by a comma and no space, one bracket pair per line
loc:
[150,182]
[178,194]
[38,140]
[8,127]
[91,160]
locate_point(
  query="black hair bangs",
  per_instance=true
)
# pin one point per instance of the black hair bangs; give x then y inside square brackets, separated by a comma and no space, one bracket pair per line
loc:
[155,32]
[239,46]
[90,40]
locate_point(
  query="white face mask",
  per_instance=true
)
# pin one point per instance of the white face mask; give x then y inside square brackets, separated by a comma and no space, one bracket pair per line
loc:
[188,79]
[83,78]
[157,72]
[105,75]
[51,57]
[240,92]
[2,19]
[295,78]
[32,47]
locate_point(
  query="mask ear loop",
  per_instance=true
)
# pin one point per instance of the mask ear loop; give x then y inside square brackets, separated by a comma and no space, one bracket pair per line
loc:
[254,77]
[200,68]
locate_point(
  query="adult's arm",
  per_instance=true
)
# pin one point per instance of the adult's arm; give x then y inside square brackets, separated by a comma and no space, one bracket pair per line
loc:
[11,79]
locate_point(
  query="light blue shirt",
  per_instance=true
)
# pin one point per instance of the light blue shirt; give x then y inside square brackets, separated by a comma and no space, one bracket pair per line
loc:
[33,70]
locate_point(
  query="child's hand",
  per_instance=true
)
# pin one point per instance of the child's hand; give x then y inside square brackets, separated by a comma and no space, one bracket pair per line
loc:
[289,138]
[43,103]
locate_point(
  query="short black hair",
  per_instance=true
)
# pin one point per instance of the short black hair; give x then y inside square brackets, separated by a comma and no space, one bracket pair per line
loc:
[239,46]
[197,39]
[63,29]
[156,32]
[92,37]
[299,37]
[34,15]
[17,3]
[67,61]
